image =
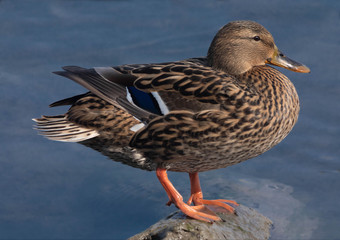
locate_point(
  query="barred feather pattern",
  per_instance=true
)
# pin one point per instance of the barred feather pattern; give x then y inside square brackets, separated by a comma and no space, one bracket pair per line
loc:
[114,127]
[191,78]
[97,124]
[217,121]
[111,122]
[247,125]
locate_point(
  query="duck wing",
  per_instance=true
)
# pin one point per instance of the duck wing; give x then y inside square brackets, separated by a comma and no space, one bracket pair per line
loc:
[146,91]
[191,79]
[98,81]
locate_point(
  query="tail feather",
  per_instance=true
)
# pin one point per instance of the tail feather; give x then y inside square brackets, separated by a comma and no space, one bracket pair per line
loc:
[58,128]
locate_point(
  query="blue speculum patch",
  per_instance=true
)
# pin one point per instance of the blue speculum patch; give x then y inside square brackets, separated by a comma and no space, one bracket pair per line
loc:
[144,100]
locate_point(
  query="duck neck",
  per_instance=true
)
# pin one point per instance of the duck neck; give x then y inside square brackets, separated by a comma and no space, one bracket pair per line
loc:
[231,58]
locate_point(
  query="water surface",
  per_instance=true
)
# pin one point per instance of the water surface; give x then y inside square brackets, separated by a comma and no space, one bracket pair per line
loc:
[53,190]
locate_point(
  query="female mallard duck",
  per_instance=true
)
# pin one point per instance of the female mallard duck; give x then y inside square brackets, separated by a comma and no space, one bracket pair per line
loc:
[188,116]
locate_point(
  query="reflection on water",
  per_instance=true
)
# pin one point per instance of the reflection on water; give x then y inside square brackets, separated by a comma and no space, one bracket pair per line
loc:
[275,201]
[66,191]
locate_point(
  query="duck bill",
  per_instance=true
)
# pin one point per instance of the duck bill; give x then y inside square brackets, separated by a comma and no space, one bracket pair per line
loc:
[280,60]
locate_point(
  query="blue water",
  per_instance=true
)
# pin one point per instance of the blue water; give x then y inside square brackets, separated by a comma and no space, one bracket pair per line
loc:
[53,190]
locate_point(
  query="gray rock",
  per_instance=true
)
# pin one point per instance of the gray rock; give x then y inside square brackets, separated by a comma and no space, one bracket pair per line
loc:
[247,224]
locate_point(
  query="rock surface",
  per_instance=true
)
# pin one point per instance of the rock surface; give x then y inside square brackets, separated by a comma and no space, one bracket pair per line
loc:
[247,224]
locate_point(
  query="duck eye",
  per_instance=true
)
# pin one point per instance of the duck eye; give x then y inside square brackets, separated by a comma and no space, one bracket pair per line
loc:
[257,38]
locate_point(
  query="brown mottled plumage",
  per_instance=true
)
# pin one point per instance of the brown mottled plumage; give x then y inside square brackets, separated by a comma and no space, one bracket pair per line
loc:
[208,113]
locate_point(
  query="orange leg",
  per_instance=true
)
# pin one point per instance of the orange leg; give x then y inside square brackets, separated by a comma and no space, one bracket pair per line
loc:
[219,205]
[199,212]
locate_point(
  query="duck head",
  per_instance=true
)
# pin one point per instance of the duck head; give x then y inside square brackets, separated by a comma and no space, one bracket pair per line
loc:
[241,45]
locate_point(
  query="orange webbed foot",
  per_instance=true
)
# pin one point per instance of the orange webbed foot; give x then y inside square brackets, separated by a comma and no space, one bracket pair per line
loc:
[200,212]
[203,209]
[218,205]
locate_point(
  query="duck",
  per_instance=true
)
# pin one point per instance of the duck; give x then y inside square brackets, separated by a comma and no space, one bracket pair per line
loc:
[190,116]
